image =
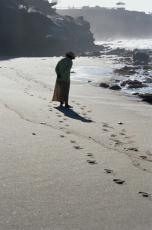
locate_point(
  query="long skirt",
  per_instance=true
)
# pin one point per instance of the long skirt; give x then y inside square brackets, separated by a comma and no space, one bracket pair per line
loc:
[61,91]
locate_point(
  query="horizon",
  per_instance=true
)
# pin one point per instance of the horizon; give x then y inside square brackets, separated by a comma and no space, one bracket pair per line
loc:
[143,6]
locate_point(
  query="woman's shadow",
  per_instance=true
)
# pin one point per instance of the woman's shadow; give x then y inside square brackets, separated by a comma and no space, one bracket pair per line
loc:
[72,114]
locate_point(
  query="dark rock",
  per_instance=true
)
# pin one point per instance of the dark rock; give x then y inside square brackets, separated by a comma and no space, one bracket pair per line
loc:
[33,28]
[123,83]
[126,70]
[140,58]
[133,84]
[146,97]
[104,85]
[147,67]
[116,80]
[120,52]
[115,87]
[148,80]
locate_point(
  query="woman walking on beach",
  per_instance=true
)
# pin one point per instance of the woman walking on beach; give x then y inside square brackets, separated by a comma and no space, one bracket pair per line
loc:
[62,87]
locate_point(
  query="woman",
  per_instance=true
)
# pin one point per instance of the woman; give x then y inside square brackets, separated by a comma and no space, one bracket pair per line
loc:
[62,87]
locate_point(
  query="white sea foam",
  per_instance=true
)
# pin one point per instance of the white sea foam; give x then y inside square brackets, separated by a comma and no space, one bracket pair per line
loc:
[128,44]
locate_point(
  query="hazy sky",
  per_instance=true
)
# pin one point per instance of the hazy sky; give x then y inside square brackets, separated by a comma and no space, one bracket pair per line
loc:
[141,5]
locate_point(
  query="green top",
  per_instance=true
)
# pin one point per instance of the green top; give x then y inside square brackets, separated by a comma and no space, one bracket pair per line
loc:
[63,69]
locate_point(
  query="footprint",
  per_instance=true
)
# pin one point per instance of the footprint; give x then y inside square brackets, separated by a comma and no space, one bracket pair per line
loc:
[78,147]
[73,142]
[143,157]
[105,125]
[68,132]
[148,153]
[90,155]
[117,142]
[122,134]
[62,136]
[133,149]
[108,171]
[118,181]
[145,194]
[61,121]
[113,135]
[34,134]
[92,162]
[105,130]
[120,123]
[43,123]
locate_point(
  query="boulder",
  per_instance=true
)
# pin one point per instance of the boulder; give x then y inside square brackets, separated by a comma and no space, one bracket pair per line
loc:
[146,97]
[115,87]
[104,85]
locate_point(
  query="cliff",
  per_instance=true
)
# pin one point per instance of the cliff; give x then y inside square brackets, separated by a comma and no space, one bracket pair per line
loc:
[35,29]
[114,23]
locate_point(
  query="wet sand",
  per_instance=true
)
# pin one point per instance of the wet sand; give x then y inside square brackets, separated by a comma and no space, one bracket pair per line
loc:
[82,169]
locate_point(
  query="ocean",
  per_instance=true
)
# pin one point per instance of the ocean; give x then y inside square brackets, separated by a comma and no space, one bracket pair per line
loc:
[105,68]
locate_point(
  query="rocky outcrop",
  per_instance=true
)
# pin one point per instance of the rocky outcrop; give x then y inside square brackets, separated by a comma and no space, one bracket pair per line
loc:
[140,58]
[25,32]
[126,70]
[114,23]
[133,84]
[120,52]
[42,6]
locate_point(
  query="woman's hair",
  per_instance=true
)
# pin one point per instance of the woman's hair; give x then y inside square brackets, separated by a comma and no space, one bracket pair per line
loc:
[70,55]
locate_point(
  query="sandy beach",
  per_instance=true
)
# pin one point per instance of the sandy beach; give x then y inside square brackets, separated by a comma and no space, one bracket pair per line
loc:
[85,169]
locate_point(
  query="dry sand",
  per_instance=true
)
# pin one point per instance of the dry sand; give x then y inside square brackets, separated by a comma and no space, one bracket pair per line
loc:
[58,169]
